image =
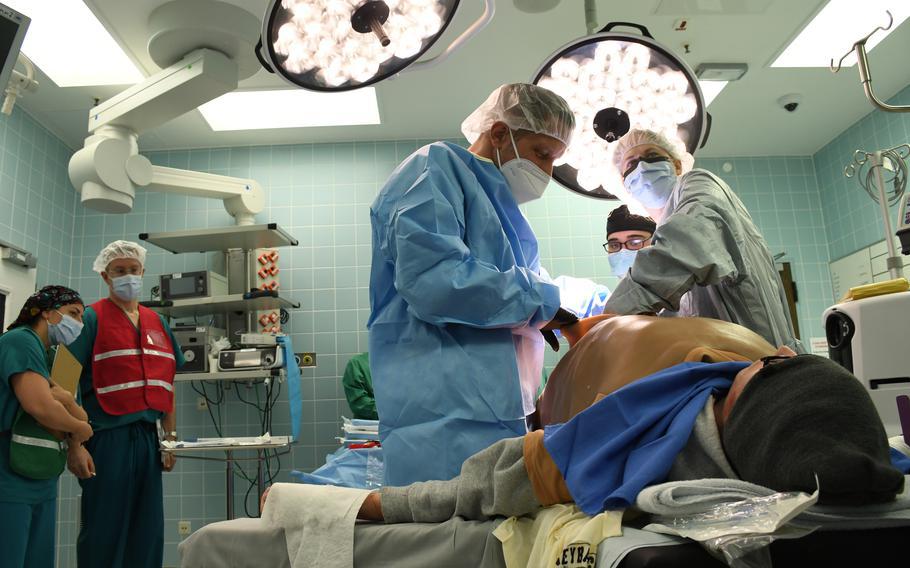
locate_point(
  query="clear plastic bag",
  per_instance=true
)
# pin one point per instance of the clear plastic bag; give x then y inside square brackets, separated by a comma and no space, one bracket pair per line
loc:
[750,550]
[740,532]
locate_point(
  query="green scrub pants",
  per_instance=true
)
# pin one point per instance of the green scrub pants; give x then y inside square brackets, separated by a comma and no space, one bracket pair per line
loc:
[28,534]
[123,506]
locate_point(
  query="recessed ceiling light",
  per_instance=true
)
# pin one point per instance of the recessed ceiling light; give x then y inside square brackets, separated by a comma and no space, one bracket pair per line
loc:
[836,27]
[293,108]
[71,46]
[710,89]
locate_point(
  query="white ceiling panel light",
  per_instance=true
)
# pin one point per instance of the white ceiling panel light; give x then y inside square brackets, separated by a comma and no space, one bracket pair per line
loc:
[710,89]
[836,27]
[293,108]
[713,77]
[68,43]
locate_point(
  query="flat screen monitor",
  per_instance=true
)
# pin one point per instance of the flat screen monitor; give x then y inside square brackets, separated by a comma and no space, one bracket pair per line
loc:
[12,31]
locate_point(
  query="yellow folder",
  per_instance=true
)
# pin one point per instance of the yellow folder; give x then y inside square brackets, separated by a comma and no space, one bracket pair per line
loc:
[66,370]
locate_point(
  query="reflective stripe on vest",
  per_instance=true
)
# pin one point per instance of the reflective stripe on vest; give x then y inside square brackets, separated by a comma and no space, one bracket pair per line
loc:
[126,352]
[158,353]
[136,384]
[29,441]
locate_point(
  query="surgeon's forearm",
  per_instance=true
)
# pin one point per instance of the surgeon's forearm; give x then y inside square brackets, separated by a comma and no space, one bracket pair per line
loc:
[631,298]
[493,482]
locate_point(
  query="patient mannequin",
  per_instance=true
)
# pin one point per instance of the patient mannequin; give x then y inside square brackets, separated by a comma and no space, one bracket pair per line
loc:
[617,350]
[767,428]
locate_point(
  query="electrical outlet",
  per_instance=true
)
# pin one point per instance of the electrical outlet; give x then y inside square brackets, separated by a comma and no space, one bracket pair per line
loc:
[306,359]
[184,528]
[201,403]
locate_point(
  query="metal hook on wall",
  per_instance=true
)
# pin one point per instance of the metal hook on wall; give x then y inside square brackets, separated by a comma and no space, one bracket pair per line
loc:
[865,75]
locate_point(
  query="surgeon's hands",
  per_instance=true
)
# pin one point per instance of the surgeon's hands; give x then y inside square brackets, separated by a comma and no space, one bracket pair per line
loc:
[80,462]
[562,319]
[573,333]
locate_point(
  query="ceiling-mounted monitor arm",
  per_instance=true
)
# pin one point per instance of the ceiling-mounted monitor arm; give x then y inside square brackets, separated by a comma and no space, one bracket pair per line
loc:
[108,169]
[19,84]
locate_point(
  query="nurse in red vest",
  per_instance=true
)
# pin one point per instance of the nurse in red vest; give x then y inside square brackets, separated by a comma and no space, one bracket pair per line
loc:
[129,358]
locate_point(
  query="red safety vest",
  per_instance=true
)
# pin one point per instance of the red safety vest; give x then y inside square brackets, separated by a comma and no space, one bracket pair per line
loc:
[132,372]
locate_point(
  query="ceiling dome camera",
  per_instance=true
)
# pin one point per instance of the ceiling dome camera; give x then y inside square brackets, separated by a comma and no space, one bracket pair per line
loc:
[790,102]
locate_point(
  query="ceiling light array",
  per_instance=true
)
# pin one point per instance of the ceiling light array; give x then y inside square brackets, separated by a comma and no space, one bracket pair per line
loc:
[317,36]
[624,75]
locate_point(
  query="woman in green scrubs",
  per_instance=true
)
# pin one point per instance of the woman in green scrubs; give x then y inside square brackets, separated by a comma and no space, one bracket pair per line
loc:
[28,507]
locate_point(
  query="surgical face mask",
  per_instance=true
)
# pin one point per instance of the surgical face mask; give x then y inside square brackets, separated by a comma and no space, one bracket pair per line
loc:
[526,181]
[621,261]
[651,183]
[65,331]
[127,288]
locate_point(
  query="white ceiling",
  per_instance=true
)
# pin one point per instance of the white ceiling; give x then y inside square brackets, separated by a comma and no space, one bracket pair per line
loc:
[431,104]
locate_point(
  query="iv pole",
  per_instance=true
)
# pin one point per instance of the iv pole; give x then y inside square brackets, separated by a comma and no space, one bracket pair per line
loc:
[875,162]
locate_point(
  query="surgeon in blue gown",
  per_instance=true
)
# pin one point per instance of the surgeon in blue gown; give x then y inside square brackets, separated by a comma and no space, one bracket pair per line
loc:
[457,294]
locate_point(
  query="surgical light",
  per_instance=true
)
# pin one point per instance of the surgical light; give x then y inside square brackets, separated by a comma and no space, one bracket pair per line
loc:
[616,82]
[338,45]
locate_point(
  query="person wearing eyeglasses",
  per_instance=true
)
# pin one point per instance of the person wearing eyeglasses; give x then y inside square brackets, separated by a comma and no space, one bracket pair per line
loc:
[707,258]
[627,233]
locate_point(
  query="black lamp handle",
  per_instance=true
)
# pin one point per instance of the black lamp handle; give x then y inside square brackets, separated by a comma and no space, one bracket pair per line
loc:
[644,31]
[704,139]
[262,61]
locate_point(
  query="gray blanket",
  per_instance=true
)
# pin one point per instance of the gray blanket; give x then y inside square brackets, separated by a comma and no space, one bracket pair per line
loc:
[248,543]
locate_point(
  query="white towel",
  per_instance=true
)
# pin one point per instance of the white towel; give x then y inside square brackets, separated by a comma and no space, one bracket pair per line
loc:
[318,522]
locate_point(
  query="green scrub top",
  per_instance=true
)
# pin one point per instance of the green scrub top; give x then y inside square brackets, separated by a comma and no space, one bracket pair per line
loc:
[82,349]
[358,387]
[21,350]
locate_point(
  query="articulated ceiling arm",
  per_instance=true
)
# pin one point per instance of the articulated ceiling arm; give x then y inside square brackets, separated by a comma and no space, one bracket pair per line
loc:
[108,169]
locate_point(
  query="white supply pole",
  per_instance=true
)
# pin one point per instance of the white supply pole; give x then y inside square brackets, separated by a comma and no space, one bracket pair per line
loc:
[894,262]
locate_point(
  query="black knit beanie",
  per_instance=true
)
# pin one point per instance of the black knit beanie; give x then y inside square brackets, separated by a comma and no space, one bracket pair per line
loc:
[809,416]
[621,220]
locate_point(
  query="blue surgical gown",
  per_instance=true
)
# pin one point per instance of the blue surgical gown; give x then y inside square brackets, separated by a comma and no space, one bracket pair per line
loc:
[708,259]
[456,299]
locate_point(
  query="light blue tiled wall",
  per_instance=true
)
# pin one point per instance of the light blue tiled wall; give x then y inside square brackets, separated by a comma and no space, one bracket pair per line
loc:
[853,220]
[782,196]
[36,198]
